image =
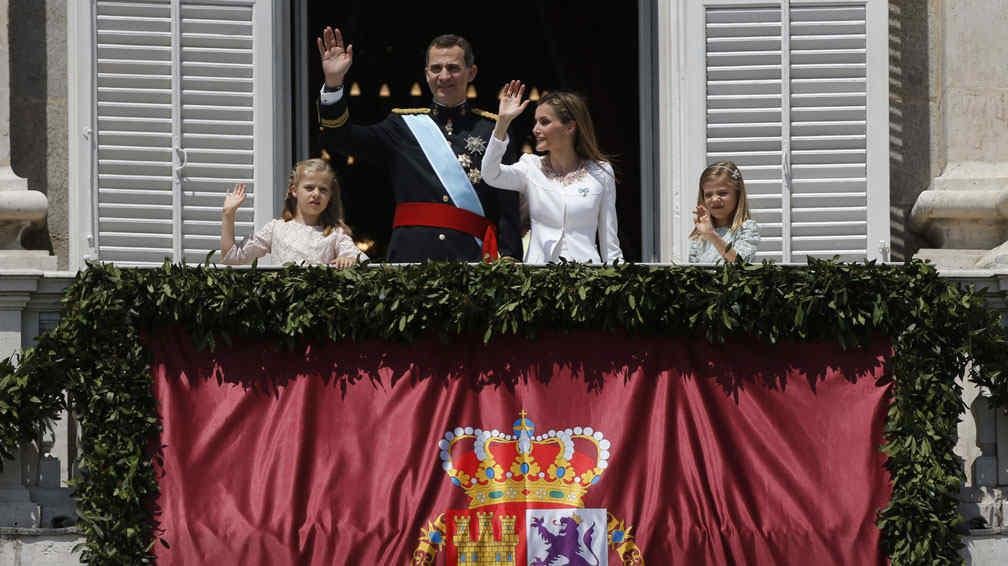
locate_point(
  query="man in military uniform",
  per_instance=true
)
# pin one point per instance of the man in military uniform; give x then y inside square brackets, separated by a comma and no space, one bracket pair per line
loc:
[444,211]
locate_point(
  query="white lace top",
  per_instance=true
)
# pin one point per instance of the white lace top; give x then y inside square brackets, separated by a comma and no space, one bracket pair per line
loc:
[290,241]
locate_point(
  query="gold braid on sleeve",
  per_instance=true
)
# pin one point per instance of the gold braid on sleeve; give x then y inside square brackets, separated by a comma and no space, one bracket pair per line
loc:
[335,123]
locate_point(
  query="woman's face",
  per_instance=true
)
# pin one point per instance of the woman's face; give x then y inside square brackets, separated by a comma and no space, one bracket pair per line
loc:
[720,197]
[549,132]
[312,193]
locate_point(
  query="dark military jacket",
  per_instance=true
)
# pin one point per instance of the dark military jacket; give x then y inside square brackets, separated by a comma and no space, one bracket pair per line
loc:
[391,144]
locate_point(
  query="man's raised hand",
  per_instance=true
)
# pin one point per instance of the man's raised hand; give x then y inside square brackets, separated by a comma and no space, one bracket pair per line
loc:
[336,59]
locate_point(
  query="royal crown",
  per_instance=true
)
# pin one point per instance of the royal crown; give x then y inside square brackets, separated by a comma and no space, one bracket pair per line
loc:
[493,467]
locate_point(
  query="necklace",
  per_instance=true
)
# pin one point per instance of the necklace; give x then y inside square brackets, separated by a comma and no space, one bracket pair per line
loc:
[565,178]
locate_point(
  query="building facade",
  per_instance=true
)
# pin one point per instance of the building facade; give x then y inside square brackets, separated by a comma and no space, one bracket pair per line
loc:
[865,129]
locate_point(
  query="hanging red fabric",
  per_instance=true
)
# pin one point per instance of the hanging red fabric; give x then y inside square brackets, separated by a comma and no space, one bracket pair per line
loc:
[370,452]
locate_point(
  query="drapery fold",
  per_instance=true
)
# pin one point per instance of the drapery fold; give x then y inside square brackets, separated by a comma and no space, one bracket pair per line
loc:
[738,453]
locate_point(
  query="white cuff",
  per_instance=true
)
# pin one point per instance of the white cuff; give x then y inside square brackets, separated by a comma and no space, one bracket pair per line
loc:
[330,97]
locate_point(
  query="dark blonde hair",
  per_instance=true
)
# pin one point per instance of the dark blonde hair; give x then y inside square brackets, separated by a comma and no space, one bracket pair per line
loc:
[572,107]
[726,171]
[332,217]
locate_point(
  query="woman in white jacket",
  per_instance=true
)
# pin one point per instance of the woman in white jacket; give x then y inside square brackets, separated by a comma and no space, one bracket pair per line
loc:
[571,189]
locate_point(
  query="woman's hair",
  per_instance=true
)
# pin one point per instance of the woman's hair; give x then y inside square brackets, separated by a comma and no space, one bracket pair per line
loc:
[569,107]
[332,216]
[726,171]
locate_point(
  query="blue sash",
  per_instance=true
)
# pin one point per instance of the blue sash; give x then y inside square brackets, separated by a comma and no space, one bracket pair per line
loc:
[444,162]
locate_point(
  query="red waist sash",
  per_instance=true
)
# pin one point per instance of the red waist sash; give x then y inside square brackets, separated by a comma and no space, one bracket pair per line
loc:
[436,215]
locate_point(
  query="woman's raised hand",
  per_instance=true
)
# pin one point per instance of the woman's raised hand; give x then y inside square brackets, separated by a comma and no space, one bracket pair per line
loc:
[336,59]
[511,105]
[234,199]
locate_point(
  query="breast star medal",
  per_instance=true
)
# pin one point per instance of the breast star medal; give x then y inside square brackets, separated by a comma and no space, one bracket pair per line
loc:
[475,144]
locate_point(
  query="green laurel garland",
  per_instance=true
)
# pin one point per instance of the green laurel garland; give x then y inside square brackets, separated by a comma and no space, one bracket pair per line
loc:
[96,355]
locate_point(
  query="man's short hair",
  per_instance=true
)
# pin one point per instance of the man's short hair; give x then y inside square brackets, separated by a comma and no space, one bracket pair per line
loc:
[450,40]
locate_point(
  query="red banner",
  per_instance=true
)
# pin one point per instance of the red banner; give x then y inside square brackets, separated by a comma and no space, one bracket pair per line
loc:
[582,448]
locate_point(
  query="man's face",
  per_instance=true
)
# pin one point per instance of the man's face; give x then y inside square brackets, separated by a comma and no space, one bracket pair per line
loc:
[447,75]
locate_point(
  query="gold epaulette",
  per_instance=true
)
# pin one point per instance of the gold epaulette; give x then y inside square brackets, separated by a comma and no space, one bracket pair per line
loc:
[411,110]
[485,114]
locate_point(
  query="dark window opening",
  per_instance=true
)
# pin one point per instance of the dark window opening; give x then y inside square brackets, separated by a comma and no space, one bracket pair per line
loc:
[548,45]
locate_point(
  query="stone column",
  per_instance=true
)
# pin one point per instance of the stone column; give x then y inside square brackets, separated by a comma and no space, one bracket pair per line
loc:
[966,207]
[16,507]
[57,451]
[19,207]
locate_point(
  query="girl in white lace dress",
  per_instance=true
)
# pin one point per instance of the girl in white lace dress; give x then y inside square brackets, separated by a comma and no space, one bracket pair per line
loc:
[311,230]
[722,228]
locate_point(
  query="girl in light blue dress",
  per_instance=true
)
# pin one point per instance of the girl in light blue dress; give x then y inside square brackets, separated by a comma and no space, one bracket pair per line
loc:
[722,228]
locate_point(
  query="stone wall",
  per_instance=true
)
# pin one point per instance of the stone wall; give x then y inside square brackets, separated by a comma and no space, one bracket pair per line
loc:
[965,209]
[913,104]
[38,547]
[28,144]
[57,179]
[38,114]
[975,85]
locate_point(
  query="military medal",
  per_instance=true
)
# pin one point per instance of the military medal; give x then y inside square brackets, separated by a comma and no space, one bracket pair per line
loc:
[464,160]
[475,144]
[448,127]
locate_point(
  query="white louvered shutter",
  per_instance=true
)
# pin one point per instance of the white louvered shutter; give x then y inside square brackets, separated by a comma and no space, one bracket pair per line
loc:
[746,109]
[787,95]
[217,119]
[134,114]
[174,110]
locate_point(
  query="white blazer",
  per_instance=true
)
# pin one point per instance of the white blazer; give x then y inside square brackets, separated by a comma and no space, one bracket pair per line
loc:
[565,218]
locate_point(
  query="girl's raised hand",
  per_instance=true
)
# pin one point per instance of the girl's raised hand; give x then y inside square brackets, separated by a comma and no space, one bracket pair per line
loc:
[511,105]
[702,221]
[234,199]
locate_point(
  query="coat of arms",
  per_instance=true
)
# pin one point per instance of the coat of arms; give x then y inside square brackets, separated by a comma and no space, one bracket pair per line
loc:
[525,500]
